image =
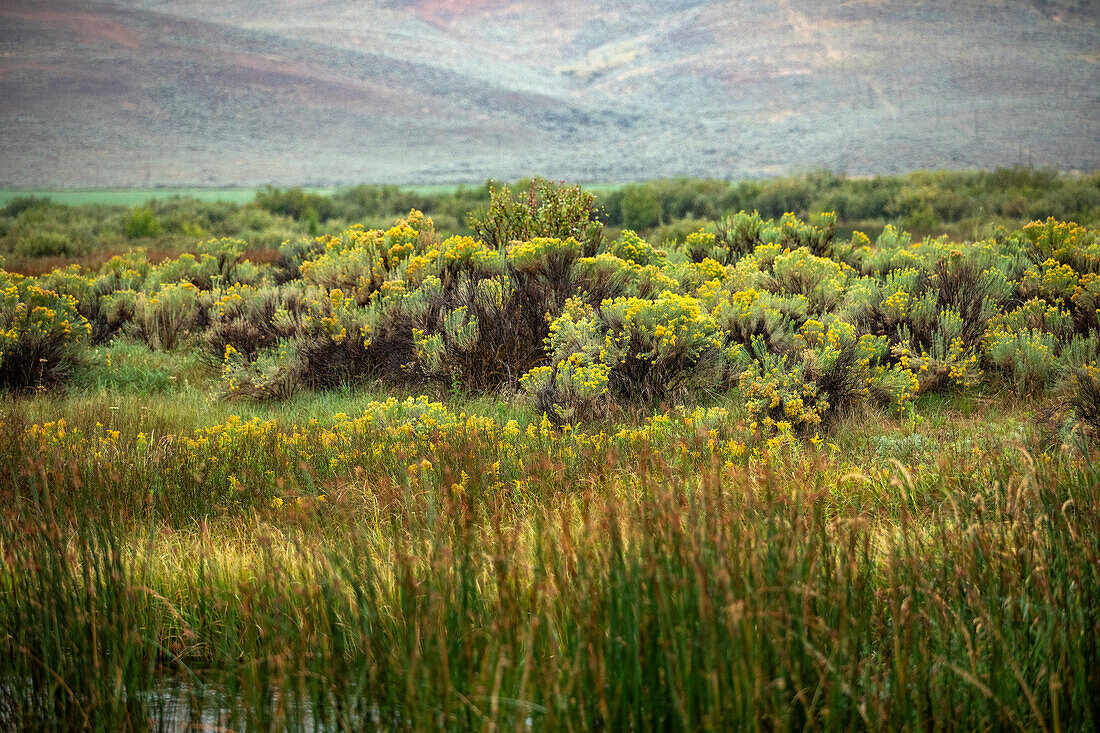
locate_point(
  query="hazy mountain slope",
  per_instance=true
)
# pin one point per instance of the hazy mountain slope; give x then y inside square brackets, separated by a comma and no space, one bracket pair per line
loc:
[146,91]
[105,95]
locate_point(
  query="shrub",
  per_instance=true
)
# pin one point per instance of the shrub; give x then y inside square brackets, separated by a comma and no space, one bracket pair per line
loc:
[629,348]
[123,272]
[142,224]
[657,348]
[737,235]
[1052,240]
[168,316]
[779,396]
[879,306]
[848,369]
[674,235]
[1035,314]
[822,281]
[330,341]
[745,316]
[605,277]
[570,391]
[19,204]
[39,333]
[545,265]
[358,261]
[216,264]
[1086,302]
[969,286]
[296,203]
[1084,397]
[640,208]
[455,257]
[251,318]
[451,313]
[574,387]
[632,248]
[702,245]
[944,361]
[226,254]
[795,233]
[549,209]
[484,332]
[47,244]
[275,373]
[73,282]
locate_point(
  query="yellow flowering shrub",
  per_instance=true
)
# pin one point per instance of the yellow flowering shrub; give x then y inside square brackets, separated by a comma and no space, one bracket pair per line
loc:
[779,397]
[605,277]
[1037,314]
[1054,240]
[1051,280]
[737,235]
[543,254]
[166,317]
[217,264]
[632,248]
[454,256]
[1026,356]
[39,332]
[821,280]
[357,270]
[795,233]
[743,315]
[657,347]
[702,245]
[570,390]
[945,361]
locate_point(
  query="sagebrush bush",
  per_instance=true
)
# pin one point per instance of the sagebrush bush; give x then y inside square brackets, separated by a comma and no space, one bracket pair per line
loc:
[358,261]
[632,248]
[1084,397]
[796,233]
[72,281]
[167,317]
[737,235]
[661,347]
[570,391]
[605,277]
[252,318]
[39,334]
[1026,357]
[780,396]
[822,281]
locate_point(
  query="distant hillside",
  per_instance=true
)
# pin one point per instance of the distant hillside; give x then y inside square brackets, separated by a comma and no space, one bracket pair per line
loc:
[319,91]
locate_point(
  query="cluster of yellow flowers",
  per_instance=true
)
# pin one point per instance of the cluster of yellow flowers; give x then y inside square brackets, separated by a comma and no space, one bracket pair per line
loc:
[951,360]
[1052,280]
[632,248]
[778,398]
[30,315]
[538,253]
[415,441]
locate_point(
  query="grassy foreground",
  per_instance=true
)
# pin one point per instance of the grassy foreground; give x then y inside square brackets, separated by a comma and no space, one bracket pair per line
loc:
[415,568]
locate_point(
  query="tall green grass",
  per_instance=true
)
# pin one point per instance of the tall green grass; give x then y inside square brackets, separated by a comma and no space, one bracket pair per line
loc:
[676,601]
